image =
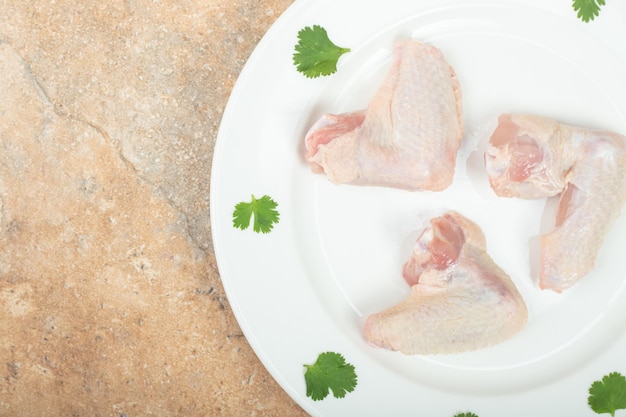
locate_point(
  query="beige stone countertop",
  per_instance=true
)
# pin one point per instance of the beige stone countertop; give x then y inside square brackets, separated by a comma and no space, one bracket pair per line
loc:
[111,302]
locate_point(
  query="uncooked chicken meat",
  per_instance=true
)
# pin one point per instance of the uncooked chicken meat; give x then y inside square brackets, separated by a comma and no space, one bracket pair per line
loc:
[460,300]
[409,135]
[533,157]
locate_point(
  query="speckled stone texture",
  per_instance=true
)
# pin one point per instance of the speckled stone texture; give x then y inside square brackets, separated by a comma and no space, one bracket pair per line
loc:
[110,299]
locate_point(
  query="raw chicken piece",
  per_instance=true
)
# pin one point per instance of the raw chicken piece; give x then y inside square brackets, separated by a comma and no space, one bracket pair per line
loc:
[409,135]
[534,157]
[460,299]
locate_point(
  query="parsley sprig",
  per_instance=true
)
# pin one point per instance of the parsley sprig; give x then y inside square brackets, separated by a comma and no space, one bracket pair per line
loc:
[264,211]
[465,415]
[315,54]
[329,372]
[609,394]
[587,9]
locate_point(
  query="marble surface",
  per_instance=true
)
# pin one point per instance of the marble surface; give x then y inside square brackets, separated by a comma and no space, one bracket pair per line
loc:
[110,298]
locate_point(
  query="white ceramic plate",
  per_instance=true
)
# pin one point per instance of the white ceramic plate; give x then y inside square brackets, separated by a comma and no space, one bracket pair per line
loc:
[336,254]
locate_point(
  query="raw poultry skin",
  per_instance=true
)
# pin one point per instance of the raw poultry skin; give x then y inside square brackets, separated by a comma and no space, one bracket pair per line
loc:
[460,300]
[533,157]
[408,136]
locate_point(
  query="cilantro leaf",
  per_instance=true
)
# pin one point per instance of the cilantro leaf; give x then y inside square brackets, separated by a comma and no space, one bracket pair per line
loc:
[588,9]
[465,415]
[330,371]
[315,54]
[264,211]
[608,395]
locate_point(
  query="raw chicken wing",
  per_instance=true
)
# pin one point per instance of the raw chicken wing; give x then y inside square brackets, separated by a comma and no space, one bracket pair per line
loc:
[409,135]
[460,299]
[534,157]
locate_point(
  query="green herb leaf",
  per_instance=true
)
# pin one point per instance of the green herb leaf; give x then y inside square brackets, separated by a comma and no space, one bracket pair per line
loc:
[465,415]
[330,371]
[315,53]
[588,9]
[264,211]
[608,395]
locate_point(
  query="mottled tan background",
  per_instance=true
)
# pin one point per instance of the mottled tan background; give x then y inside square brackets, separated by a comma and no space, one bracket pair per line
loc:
[110,299]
